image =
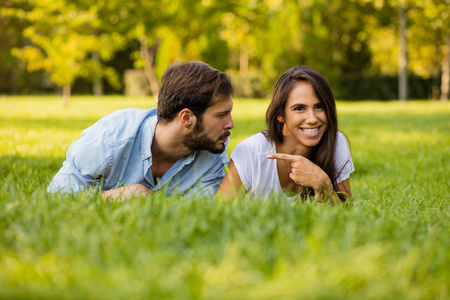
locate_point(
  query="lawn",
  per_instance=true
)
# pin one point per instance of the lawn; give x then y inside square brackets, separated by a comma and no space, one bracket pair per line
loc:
[393,244]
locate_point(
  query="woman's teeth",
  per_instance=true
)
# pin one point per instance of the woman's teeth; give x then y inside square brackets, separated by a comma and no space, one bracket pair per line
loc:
[311,131]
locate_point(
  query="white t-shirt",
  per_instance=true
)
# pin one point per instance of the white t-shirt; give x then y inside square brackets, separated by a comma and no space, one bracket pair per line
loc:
[259,174]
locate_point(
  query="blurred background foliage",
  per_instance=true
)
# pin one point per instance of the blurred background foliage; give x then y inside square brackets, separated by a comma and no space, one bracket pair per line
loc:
[89,47]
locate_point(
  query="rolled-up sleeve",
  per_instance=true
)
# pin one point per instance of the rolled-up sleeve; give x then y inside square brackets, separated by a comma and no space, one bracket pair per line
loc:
[211,180]
[343,159]
[244,163]
[88,159]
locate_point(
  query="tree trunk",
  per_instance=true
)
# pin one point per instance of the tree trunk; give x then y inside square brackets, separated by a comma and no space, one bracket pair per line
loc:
[243,61]
[66,95]
[149,54]
[403,58]
[445,79]
[97,87]
[437,67]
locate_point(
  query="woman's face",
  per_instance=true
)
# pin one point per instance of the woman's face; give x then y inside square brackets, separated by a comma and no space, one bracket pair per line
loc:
[305,117]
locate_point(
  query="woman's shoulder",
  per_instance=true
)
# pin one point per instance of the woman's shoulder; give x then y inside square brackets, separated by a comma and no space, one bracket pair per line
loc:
[341,136]
[342,140]
[342,147]
[253,148]
[257,142]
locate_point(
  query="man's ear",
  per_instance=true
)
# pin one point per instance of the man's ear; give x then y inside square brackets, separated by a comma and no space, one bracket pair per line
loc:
[186,117]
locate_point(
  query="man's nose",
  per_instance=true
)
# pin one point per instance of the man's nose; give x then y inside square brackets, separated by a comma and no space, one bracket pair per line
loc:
[230,124]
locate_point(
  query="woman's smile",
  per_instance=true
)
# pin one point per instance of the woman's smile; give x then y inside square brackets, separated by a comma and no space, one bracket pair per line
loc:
[311,131]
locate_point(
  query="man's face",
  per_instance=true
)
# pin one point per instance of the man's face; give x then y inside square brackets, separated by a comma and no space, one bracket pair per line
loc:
[212,131]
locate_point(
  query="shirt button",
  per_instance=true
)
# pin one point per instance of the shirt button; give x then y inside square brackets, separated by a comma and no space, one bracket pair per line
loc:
[143,156]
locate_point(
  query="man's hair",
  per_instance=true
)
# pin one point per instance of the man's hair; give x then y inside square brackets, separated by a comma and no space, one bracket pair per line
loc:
[192,85]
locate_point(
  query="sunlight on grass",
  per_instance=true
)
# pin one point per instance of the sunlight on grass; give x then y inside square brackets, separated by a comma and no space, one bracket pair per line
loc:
[393,244]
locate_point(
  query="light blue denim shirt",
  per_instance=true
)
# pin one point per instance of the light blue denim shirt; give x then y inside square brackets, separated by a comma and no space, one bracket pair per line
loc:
[116,151]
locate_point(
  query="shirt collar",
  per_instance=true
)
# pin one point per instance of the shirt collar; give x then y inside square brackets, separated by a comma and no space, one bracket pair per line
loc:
[148,131]
[190,157]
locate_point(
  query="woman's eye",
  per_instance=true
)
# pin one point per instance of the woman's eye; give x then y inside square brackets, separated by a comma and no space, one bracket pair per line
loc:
[299,108]
[319,106]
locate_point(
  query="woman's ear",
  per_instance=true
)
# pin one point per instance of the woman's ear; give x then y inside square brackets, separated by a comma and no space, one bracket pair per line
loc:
[186,117]
[286,131]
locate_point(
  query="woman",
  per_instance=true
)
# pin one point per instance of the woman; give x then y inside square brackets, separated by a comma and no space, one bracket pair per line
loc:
[301,152]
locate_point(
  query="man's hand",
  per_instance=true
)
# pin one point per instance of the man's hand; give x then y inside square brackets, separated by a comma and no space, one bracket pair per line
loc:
[126,192]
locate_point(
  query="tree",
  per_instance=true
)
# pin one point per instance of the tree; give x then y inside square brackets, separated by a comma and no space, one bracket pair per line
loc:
[420,49]
[445,80]
[329,35]
[14,78]
[438,14]
[403,55]
[62,39]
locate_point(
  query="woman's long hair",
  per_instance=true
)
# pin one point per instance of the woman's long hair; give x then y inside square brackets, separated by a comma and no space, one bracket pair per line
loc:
[323,153]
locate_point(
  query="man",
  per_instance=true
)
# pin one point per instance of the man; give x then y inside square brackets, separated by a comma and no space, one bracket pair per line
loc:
[179,146]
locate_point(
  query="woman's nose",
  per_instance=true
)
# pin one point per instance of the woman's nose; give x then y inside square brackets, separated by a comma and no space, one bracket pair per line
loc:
[312,118]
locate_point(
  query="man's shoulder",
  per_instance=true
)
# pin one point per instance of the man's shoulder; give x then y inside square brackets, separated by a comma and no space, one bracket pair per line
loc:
[124,124]
[129,119]
[129,115]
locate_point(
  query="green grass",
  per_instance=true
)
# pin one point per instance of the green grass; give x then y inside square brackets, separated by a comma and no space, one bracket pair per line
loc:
[393,244]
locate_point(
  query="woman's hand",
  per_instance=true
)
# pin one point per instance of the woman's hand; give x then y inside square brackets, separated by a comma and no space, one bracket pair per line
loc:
[306,173]
[125,192]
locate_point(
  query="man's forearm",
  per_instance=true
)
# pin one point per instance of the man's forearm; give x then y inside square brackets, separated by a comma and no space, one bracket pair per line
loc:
[126,192]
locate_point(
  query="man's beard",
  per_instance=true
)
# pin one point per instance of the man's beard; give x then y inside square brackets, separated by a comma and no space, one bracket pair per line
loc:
[198,140]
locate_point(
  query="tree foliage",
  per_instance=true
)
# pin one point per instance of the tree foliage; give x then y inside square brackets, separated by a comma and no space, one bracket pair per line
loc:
[253,40]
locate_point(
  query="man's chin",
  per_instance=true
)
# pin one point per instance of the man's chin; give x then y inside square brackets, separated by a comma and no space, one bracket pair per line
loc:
[202,142]
[217,150]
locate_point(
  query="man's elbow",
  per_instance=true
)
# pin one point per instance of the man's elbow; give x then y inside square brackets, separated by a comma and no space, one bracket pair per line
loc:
[67,185]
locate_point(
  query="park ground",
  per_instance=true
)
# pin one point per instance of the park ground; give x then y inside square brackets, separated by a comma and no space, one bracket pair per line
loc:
[392,244]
